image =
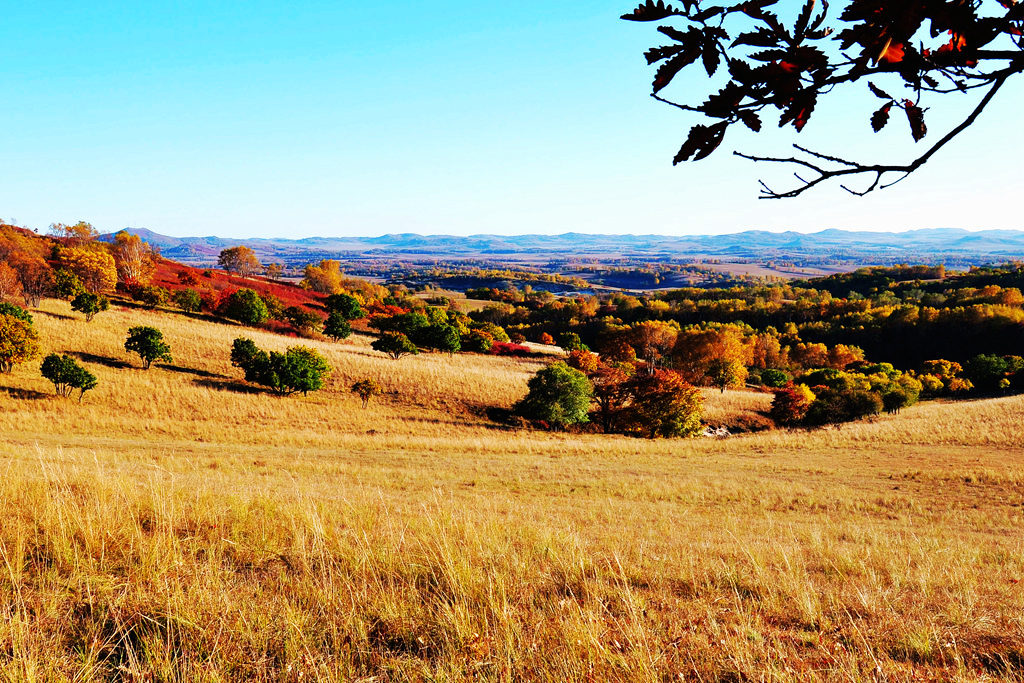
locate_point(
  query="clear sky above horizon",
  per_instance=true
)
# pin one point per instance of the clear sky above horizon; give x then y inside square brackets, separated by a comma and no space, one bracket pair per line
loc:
[262,119]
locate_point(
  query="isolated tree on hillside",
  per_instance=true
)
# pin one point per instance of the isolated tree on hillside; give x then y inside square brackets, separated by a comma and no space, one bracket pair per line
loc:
[324,278]
[239,260]
[19,341]
[90,304]
[149,343]
[559,396]
[442,337]
[903,55]
[366,389]
[67,375]
[394,344]
[726,372]
[245,306]
[337,326]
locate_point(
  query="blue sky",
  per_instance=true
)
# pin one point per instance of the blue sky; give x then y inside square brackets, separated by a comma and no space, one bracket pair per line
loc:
[332,118]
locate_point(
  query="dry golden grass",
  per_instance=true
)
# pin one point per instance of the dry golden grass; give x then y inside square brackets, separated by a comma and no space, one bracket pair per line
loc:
[176,527]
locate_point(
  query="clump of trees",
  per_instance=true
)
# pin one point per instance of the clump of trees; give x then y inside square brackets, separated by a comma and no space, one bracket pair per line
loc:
[829,396]
[67,375]
[149,344]
[299,369]
[90,304]
[618,396]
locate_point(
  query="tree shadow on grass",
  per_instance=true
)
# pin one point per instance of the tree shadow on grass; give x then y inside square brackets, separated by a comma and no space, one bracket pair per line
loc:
[101,360]
[25,394]
[227,384]
[58,316]
[192,371]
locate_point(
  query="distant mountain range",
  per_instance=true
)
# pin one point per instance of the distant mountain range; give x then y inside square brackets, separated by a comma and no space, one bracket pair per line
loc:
[917,246]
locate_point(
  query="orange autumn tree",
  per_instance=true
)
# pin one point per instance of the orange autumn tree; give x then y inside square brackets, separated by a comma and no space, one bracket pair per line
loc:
[717,356]
[903,56]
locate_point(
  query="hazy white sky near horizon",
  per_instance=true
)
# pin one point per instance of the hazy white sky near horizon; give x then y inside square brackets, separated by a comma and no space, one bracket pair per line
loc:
[264,119]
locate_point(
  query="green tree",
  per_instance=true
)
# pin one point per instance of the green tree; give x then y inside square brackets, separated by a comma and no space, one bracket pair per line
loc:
[304,321]
[345,304]
[559,396]
[477,341]
[15,311]
[275,307]
[187,300]
[245,306]
[67,375]
[570,341]
[366,389]
[442,337]
[18,341]
[66,285]
[298,369]
[90,304]
[337,326]
[149,343]
[774,378]
[394,344]
[150,295]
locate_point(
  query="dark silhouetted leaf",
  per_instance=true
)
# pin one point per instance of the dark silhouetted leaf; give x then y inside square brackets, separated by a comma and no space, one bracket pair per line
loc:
[751,120]
[711,56]
[702,141]
[879,92]
[915,115]
[763,37]
[652,11]
[656,54]
[880,118]
[669,70]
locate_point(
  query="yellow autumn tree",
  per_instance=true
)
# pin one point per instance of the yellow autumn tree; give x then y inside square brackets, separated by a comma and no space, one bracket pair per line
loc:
[325,278]
[96,269]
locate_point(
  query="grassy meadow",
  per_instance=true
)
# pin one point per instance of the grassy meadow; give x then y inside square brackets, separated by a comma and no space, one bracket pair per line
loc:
[179,525]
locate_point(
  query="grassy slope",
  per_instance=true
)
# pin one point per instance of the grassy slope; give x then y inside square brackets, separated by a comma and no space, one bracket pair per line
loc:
[177,524]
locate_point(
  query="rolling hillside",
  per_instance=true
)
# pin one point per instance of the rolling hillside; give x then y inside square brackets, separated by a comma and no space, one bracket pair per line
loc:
[180,525]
